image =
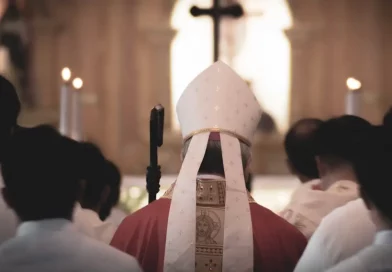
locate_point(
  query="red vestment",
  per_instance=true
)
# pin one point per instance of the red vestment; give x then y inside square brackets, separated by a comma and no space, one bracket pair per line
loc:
[277,244]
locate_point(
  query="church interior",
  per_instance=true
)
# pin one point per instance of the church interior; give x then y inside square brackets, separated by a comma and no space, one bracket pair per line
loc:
[300,57]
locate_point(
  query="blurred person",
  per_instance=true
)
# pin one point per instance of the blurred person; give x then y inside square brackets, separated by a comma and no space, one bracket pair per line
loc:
[336,143]
[335,240]
[374,173]
[299,144]
[42,173]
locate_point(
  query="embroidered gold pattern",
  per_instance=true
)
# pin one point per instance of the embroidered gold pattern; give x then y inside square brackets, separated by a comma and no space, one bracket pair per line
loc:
[208,192]
[210,215]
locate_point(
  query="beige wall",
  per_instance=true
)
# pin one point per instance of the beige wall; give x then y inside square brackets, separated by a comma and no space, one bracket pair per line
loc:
[333,40]
[121,50]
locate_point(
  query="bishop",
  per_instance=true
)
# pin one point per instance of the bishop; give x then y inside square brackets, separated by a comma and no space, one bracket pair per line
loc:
[207,221]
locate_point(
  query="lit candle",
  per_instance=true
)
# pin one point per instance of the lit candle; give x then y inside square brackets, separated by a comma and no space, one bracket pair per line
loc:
[76,128]
[64,102]
[353,98]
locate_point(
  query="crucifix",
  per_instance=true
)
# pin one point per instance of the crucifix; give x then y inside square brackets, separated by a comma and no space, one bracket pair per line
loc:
[216,12]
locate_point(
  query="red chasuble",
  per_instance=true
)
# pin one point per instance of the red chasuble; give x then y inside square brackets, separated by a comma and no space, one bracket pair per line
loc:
[277,244]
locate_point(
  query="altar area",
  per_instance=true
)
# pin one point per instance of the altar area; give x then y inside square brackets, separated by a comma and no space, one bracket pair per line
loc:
[272,192]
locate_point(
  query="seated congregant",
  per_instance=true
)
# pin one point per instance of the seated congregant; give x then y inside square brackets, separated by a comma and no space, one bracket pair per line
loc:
[300,149]
[374,175]
[207,221]
[336,143]
[335,240]
[41,172]
[100,192]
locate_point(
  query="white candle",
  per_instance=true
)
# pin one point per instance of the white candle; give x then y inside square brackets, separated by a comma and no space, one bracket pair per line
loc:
[76,128]
[353,97]
[64,102]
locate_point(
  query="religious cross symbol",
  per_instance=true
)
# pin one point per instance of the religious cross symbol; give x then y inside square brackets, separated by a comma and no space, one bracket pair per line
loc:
[216,12]
[211,265]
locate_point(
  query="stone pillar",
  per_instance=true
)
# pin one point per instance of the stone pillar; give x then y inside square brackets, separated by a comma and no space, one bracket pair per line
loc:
[306,71]
[306,59]
[44,32]
[152,43]
[121,50]
[331,41]
[154,84]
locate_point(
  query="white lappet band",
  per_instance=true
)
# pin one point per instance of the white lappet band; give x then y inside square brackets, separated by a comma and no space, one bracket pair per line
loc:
[180,251]
[238,233]
[238,236]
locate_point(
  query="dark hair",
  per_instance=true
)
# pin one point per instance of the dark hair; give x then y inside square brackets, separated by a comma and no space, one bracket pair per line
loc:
[93,174]
[299,144]
[338,139]
[373,169]
[213,161]
[41,174]
[113,179]
[387,119]
[9,105]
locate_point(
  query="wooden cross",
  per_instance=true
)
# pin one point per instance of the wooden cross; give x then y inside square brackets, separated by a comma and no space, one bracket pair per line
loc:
[216,12]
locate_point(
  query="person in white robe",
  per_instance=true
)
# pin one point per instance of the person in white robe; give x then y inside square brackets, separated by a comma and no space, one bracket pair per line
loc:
[101,192]
[42,174]
[334,240]
[374,176]
[88,222]
[339,236]
[300,150]
[117,215]
[335,142]
[9,112]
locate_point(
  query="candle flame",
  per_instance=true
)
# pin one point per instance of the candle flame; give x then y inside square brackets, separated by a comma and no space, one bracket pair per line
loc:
[66,74]
[353,84]
[77,83]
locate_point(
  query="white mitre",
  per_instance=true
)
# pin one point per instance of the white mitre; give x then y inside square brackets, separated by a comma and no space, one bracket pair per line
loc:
[217,100]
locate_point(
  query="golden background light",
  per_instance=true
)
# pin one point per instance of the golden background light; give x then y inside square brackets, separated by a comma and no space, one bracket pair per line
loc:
[77,83]
[353,84]
[267,65]
[66,74]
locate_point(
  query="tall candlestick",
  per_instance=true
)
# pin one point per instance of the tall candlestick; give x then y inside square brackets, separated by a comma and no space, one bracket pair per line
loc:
[76,131]
[353,97]
[65,102]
